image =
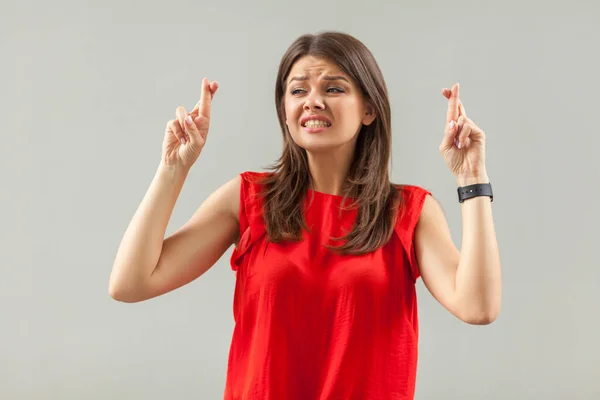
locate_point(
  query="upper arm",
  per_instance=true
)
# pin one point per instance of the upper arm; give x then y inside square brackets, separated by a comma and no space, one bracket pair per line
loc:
[200,242]
[436,254]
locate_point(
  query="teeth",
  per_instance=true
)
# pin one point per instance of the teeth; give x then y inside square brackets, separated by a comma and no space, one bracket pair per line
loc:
[313,124]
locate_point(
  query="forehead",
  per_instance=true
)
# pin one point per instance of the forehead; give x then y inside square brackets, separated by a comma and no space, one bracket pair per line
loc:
[313,67]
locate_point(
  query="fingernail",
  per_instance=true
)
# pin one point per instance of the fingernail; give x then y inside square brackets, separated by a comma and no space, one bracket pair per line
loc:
[459,145]
[182,140]
[189,120]
[452,123]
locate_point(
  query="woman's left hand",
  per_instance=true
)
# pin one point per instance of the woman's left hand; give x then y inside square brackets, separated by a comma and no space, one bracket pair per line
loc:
[463,146]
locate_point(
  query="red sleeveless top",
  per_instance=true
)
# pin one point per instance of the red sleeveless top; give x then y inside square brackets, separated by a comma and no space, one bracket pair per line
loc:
[311,324]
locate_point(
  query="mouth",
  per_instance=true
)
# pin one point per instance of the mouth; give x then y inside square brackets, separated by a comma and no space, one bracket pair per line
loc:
[315,126]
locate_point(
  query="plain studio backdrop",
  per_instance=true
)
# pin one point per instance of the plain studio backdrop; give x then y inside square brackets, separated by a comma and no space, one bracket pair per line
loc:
[87,88]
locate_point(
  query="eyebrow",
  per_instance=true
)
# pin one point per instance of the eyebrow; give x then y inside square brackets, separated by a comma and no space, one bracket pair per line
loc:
[325,78]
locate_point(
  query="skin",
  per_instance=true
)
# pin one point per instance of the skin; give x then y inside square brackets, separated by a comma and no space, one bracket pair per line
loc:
[465,282]
[330,152]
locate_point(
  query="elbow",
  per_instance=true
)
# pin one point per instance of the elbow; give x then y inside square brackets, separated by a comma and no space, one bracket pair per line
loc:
[118,294]
[481,316]
[124,293]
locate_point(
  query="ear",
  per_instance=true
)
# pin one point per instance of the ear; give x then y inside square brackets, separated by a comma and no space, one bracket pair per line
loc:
[369,115]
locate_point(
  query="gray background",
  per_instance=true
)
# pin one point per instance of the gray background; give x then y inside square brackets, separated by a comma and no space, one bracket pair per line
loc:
[87,88]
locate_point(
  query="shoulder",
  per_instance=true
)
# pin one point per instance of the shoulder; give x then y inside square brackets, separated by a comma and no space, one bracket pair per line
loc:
[250,198]
[254,176]
[238,192]
[413,195]
[251,189]
[253,182]
[421,206]
[410,190]
[414,201]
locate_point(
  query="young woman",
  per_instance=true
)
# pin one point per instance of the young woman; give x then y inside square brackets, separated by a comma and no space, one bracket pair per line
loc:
[327,249]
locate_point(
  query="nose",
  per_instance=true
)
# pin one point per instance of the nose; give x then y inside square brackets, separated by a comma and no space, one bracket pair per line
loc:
[314,101]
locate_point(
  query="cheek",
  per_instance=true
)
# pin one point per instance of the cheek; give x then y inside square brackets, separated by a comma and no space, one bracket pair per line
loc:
[289,112]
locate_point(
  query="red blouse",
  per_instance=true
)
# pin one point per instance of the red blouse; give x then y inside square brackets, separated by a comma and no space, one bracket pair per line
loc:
[311,324]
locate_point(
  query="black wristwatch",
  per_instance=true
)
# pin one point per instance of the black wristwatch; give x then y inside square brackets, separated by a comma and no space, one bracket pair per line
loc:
[478,189]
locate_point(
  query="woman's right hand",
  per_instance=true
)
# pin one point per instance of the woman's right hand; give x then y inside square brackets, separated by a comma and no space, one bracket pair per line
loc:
[186,134]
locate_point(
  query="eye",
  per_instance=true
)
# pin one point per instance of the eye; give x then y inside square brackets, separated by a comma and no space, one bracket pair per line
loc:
[336,89]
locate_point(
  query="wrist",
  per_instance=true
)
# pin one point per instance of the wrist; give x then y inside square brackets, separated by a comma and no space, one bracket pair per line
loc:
[174,172]
[467,180]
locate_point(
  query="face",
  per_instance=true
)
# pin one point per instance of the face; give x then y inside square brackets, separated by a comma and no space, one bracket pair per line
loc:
[318,89]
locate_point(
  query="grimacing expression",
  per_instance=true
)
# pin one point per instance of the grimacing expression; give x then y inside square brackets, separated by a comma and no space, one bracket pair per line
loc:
[318,90]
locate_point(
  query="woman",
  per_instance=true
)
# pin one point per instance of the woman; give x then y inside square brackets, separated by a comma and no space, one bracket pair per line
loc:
[327,249]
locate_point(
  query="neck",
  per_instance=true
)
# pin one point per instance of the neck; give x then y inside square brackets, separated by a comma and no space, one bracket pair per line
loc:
[329,170]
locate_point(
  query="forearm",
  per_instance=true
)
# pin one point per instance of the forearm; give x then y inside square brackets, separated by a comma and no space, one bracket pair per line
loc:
[478,277]
[141,246]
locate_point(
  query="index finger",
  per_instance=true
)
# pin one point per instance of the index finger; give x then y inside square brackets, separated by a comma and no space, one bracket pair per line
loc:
[452,114]
[203,105]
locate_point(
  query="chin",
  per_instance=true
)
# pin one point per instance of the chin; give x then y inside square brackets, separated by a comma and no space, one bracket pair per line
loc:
[320,142]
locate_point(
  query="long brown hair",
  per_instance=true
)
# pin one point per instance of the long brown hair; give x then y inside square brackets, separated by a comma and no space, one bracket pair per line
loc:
[368,184]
